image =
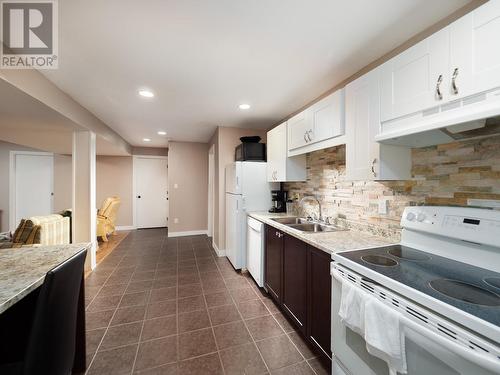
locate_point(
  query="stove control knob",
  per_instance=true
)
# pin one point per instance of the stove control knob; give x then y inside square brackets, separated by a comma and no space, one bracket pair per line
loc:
[410,216]
[420,217]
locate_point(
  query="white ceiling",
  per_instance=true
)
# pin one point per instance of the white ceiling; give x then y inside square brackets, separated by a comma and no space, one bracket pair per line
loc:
[28,122]
[203,58]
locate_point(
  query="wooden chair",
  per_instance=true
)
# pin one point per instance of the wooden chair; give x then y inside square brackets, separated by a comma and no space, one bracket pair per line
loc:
[106,217]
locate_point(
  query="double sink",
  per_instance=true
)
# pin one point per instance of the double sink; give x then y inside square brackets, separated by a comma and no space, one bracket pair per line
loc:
[306,225]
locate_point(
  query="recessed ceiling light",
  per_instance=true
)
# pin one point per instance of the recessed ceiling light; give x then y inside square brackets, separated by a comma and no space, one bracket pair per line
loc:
[244,106]
[161,132]
[146,139]
[146,93]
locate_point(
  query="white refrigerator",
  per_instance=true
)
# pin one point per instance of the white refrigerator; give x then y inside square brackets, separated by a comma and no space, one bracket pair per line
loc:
[247,190]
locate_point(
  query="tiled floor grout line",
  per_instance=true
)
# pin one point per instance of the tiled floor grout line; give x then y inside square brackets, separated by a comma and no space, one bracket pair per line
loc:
[112,317]
[244,322]
[208,313]
[148,299]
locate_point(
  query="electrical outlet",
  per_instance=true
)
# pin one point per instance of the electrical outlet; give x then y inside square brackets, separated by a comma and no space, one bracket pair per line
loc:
[382,207]
[176,220]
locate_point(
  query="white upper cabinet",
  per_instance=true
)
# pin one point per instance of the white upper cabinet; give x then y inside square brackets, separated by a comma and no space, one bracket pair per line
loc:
[298,131]
[365,158]
[457,62]
[326,117]
[415,79]
[280,167]
[475,55]
[320,122]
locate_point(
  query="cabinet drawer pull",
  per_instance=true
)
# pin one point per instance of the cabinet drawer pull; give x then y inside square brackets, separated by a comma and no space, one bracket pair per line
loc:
[305,137]
[454,81]
[439,94]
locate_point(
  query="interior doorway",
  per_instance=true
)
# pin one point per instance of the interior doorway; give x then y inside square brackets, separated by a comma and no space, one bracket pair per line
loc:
[150,191]
[31,185]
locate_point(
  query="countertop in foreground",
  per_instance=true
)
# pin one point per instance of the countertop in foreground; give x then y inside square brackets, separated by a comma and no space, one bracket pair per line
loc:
[330,242]
[22,270]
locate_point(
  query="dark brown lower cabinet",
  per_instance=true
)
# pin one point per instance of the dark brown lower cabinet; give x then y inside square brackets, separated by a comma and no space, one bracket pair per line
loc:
[273,259]
[319,300]
[298,279]
[295,280]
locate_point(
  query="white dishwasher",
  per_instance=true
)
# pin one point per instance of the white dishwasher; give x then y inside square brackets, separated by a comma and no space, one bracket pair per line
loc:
[255,250]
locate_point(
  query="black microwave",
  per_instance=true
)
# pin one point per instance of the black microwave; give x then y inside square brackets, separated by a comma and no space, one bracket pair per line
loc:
[250,152]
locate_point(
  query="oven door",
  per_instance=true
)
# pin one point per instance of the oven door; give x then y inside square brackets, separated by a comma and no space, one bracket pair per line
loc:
[426,352]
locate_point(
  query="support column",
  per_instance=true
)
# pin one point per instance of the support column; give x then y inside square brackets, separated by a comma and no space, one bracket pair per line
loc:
[84,192]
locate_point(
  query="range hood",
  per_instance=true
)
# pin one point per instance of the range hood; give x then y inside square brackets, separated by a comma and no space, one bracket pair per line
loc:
[469,118]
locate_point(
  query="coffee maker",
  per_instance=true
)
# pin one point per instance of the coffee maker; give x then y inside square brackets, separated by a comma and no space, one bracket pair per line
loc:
[278,198]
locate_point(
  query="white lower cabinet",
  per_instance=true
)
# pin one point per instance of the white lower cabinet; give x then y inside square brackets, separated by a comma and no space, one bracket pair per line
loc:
[365,158]
[280,167]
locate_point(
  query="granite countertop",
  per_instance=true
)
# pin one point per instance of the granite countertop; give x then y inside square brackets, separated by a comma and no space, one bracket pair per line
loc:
[22,270]
[330,242]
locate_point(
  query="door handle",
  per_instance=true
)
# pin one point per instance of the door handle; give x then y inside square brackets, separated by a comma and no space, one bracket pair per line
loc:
[439,94]
[454,81]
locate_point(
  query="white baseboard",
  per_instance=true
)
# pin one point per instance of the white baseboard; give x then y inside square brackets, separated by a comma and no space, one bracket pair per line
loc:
[125,227]
[220,253]
[187,233]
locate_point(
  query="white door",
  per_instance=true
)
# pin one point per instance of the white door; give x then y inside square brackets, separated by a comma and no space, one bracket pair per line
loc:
[276,154]
[151,191]
[33,185]
[298,126]
[417,78]
[475,56]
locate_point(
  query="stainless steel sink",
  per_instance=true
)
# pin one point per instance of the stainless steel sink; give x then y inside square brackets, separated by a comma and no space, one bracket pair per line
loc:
[315,227]
[290,220]
[305,225]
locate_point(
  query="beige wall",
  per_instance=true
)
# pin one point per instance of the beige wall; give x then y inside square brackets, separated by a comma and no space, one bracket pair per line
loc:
[225,141]
[188,169]
[63,181]
[113,177]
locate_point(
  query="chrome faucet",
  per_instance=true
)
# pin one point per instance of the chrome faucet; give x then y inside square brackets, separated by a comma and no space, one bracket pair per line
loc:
[311,197]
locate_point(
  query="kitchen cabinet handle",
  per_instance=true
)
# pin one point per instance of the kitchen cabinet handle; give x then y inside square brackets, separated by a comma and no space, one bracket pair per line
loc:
[373,167]
[309,135]
[454,81]
[305,137]
[439,94]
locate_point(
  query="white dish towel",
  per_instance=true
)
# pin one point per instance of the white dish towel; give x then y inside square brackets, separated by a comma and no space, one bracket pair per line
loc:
[384,336]
[352,307]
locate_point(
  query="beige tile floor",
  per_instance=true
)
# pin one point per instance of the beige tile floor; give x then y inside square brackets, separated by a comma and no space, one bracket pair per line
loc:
[157,305]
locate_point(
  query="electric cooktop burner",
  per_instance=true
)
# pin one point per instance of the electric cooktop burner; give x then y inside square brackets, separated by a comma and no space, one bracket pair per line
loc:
[466,287]
[379,260]
[465,292]
[409,254]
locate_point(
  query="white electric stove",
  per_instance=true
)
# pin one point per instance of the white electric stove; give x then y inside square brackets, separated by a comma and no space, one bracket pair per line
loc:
[444,280]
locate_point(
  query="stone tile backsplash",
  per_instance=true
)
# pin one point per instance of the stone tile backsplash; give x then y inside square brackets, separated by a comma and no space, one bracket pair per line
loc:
[447,174]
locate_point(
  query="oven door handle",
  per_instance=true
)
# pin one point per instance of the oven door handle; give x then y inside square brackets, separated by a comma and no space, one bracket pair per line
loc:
[438,344]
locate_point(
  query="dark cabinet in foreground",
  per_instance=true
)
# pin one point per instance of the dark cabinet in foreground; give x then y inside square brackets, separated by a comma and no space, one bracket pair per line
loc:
[273,262]
[298,279]
[294,280]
